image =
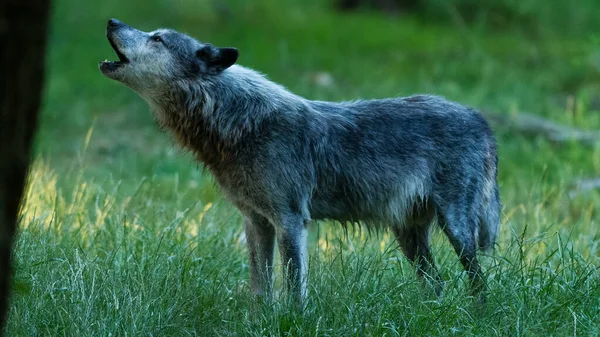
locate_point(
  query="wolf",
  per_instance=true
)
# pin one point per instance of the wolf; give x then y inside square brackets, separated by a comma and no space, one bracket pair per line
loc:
[402,164]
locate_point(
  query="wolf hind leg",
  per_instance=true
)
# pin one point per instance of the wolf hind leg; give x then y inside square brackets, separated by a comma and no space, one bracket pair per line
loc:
[461,229]
[413,238]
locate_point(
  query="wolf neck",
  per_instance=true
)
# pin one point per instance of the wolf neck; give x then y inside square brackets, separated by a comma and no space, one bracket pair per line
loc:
[213,117]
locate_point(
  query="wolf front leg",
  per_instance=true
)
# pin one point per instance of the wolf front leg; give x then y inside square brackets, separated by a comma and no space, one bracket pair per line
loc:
[260,235]
[292,239]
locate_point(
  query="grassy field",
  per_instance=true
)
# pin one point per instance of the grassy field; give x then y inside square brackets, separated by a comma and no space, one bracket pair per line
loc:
[123,234]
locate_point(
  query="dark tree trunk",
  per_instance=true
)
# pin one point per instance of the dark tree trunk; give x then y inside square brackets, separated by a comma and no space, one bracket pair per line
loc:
[23,34]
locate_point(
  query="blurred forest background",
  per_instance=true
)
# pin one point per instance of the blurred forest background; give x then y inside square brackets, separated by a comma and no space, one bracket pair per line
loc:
[124,234]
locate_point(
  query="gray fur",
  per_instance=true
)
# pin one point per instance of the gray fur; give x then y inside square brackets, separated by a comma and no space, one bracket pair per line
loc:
[283,160]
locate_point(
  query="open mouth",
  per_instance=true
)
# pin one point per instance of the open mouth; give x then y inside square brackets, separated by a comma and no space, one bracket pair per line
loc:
[114,64]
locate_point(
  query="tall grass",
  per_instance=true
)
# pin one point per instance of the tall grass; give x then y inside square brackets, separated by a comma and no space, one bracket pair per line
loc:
[100,261]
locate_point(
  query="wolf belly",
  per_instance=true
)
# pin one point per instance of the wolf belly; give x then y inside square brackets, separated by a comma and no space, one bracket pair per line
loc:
[377,203]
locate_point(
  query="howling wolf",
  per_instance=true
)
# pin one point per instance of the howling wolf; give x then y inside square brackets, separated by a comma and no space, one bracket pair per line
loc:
[282,160]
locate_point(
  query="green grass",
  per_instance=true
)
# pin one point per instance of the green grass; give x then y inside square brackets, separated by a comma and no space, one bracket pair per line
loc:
[123,233]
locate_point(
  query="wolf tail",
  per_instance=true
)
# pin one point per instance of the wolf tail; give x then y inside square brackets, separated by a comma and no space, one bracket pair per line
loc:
[489,219]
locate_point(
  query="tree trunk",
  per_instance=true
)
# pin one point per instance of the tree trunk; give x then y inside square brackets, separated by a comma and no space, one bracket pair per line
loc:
[23,34]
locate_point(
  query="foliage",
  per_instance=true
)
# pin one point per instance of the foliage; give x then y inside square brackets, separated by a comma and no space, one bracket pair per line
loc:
[123,234]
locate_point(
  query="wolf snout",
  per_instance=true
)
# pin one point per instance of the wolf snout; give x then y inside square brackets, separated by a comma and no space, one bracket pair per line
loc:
[113,23]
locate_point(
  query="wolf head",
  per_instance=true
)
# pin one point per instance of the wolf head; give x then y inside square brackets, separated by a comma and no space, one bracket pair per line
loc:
[149,61]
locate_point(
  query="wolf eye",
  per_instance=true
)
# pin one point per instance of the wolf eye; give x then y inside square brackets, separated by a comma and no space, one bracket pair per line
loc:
[157,38]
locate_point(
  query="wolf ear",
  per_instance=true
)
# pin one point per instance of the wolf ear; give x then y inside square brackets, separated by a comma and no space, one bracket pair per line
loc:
[217,58]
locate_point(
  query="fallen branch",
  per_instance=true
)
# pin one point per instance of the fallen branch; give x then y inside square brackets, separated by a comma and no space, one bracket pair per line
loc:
[529,124]
[584,185]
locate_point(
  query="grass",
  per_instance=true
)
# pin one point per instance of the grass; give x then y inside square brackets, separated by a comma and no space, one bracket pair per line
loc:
[123,234]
